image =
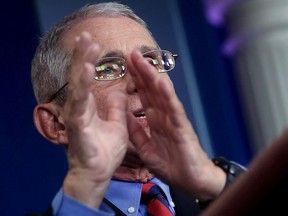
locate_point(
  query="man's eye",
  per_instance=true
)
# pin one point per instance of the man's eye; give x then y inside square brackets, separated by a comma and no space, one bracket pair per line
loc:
[109,71]
[101,68]
[107,68]
[153,61]
[106,71]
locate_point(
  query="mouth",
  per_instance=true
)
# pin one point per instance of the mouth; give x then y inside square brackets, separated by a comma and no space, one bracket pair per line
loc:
[141,118]
[140,115]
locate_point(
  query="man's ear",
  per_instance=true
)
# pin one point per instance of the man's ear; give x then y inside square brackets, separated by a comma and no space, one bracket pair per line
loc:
[48,121]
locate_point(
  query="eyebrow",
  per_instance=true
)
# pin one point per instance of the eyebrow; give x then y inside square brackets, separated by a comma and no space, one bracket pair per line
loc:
[113,53]
[145,48]
[119,53]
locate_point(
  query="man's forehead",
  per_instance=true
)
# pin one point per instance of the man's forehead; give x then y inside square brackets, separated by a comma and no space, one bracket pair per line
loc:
[113,33]
[101,24]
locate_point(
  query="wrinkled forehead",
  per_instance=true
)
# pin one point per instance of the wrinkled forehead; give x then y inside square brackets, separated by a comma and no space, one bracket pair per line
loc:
[112,33]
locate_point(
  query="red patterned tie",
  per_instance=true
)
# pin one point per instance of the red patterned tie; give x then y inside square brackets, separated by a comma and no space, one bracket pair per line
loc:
[157,204]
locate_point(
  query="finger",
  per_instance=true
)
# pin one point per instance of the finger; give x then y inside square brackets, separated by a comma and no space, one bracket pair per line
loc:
[91,55]
[138,67]
[148,72]
[137,134]
[149,95]
[157,90]
[84,40]
[82,43]
[82,72]
[151,78]
[85,52]
[117,103]
[154,92]
[80,99]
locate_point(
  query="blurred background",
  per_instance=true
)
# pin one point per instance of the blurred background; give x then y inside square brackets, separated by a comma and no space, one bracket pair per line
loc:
[231,77]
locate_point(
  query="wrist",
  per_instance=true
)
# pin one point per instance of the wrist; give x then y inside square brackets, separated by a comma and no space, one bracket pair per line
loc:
[79,186]
[232,171]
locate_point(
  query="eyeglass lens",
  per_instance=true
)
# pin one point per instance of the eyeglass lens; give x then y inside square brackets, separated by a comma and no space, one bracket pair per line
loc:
[111,68]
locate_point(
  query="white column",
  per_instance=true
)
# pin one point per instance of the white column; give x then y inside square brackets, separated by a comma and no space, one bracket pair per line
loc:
[258,44]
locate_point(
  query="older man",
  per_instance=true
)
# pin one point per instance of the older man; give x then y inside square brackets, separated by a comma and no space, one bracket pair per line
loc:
[103,93]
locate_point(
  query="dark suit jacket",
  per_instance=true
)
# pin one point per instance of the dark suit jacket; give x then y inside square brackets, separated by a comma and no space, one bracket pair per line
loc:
[263,189]
[184,206]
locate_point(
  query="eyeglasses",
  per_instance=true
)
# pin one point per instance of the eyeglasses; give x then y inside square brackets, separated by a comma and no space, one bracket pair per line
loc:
[112,68]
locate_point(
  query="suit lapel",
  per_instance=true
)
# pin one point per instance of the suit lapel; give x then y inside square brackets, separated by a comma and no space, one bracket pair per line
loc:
[184,205]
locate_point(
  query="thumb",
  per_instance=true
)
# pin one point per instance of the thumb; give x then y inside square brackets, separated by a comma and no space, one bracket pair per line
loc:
[137,134]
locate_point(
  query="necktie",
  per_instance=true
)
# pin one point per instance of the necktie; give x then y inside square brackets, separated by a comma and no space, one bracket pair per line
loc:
[157,204]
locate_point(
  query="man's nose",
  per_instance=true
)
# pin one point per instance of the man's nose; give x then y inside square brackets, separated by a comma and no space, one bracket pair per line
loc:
[131,88]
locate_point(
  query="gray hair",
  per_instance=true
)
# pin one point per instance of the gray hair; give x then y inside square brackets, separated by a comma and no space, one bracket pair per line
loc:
[51,62]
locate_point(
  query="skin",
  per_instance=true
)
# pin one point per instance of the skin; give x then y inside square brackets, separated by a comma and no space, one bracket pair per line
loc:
[104,139]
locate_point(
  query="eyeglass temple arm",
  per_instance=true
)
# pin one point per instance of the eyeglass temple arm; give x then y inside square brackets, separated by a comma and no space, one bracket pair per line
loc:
[56,93]
[175,56]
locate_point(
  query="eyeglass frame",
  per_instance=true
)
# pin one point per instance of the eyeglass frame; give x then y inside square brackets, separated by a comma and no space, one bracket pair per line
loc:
[174,55]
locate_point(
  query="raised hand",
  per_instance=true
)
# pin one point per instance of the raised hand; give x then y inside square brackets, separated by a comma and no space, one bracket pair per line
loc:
[93,154]
[172,151]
